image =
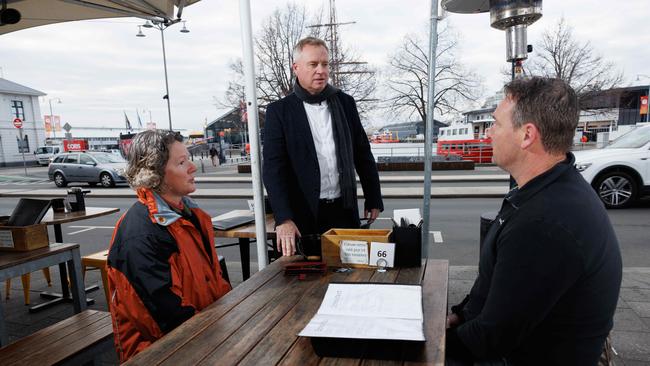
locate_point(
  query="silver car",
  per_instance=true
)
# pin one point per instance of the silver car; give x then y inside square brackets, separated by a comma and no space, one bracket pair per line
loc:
[87,166]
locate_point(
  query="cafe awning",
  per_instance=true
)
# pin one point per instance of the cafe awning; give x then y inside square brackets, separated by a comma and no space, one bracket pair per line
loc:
[34,13]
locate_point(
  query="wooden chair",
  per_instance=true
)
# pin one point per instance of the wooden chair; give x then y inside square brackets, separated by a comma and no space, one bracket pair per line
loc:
[97,260]
[73,341]
[26,280]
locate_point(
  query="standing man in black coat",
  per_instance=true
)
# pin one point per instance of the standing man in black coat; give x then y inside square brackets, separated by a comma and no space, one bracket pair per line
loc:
[313,143]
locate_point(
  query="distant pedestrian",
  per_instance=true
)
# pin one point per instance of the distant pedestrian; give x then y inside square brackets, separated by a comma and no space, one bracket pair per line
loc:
[213,155]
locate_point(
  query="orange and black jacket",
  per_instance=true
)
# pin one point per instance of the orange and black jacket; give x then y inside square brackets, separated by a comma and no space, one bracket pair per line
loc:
[161,270]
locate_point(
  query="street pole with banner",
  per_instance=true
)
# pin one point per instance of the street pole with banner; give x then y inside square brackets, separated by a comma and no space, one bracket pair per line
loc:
[18,123]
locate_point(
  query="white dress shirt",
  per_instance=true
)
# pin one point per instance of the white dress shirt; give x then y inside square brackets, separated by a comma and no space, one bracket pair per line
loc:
[320,123]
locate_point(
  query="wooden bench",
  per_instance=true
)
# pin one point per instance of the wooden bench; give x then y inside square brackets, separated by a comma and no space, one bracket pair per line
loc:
[72,341]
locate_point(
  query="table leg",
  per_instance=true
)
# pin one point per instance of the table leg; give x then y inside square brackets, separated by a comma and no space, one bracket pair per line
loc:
[58,233]
[4,338]
[64,296]
[76,282]
[245,255]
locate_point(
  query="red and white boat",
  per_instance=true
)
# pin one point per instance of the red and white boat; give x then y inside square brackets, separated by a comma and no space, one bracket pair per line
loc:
[383,137]
[467,140]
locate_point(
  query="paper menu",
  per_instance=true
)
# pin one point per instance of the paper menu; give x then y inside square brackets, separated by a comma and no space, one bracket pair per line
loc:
[369,311]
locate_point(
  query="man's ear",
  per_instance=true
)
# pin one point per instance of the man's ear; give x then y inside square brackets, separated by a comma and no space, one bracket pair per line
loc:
[529,135]
[294,66]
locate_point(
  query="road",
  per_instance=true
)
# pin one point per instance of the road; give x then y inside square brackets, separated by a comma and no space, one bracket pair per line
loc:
[456,222]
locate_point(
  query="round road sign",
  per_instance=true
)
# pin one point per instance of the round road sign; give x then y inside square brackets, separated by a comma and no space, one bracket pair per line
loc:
[18,123]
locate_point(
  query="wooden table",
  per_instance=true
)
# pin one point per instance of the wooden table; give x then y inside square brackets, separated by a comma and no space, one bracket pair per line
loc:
[56,219]
[244,234]
[257,322]
[13,264]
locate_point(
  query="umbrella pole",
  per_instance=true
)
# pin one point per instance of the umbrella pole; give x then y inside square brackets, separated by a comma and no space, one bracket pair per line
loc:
[251,108]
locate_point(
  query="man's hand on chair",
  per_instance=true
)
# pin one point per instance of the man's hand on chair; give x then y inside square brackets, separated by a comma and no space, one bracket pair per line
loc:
[286,236]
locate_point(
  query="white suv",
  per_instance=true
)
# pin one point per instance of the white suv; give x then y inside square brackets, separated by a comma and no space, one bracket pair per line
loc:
[620,172]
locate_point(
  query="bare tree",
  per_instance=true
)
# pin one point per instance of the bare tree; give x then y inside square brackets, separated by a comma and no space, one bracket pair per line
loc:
[408,78]
[274,56]
[236,92]
[560,55]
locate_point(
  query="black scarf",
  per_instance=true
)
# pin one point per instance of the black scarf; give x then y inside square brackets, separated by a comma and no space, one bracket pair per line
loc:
[342,139]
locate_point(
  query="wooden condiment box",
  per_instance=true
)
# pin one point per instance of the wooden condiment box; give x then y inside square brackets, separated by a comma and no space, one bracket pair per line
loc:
[331,243]
[22,238]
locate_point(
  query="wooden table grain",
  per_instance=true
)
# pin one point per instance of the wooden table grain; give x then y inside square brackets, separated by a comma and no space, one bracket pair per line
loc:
[257,322]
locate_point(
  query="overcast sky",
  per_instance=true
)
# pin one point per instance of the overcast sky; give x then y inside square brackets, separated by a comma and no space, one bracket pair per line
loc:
[99,68]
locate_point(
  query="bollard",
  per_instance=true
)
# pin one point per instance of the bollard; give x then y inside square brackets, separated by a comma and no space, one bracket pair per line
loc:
[202,167]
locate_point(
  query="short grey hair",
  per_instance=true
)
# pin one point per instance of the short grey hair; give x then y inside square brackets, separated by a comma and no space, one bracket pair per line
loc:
[148,156]
[551,105]
[312,41]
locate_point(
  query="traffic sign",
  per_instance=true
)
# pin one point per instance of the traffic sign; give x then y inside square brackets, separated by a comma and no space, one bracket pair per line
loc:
[18,123]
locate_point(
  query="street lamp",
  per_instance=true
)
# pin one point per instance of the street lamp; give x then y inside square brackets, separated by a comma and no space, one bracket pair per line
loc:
[162,25]
[49,100]
[647,113]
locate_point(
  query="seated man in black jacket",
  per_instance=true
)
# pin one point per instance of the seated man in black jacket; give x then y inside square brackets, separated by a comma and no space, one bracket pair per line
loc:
[550,268]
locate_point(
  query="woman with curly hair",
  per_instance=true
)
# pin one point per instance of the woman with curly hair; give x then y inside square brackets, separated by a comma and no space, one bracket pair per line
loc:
[162,264]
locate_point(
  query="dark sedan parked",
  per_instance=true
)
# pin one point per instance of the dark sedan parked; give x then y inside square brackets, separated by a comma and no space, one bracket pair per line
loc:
[87,166]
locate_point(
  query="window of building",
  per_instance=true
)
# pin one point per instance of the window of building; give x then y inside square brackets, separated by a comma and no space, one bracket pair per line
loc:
[23,145]
[17,109]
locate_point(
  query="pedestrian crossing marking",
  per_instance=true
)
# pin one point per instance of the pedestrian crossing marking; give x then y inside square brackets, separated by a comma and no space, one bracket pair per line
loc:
[87,228]
[437,236]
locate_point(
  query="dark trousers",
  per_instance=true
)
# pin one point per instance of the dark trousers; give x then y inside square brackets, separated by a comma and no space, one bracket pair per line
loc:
[331,214]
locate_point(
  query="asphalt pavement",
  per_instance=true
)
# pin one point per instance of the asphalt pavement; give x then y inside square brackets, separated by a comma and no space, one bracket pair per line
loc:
[631,333]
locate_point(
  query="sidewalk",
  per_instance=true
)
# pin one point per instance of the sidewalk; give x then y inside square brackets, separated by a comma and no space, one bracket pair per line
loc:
[630,336]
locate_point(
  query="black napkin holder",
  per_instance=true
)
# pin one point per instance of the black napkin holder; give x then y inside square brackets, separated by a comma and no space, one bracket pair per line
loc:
[408,246]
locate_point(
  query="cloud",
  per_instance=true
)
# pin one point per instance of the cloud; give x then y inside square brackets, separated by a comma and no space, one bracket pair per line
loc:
[99,68]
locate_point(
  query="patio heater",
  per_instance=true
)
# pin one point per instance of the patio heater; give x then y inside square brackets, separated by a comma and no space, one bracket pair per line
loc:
[511,16]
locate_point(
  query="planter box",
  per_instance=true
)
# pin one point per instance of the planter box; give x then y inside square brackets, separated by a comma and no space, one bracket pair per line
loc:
[331,243]
[419,166]
[243,168]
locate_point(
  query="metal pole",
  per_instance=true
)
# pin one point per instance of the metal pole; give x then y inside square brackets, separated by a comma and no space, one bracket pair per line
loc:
[254,136]
[169,108]
[52,121]
[428,140]
[22,148]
